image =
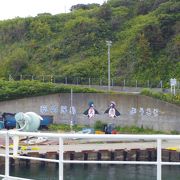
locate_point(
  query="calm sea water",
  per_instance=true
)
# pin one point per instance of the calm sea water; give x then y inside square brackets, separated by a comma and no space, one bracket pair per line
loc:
[96,172]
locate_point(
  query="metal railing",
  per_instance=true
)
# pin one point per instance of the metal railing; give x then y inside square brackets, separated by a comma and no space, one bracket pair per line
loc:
[62,137]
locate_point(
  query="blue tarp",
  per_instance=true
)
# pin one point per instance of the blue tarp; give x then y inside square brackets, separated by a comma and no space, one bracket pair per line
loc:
[1,124]
[9,120]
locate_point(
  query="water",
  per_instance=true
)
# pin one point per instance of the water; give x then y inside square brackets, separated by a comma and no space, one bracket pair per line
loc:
[95,172]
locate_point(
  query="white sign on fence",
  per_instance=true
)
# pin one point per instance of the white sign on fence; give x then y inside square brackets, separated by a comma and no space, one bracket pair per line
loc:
[173,83]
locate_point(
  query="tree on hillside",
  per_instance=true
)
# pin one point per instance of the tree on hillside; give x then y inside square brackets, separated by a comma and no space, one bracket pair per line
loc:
[84,6]
[155,37]
[143,55]
[16,62]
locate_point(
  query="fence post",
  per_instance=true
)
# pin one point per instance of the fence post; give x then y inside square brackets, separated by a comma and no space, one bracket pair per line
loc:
[61,158]
[148,83]
[100,82]
[159,159]
[43,78]
[161,84]
[89,82]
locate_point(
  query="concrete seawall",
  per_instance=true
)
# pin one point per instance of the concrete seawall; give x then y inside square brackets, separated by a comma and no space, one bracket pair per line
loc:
[149,154]
[135,110]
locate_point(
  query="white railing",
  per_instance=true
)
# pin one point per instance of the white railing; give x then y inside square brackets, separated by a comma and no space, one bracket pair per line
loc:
[62,137]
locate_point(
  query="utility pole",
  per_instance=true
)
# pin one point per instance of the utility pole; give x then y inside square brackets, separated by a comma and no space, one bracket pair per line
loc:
[109,66]
[71,111]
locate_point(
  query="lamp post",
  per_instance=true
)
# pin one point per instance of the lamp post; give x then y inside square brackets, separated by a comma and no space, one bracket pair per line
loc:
[109,67]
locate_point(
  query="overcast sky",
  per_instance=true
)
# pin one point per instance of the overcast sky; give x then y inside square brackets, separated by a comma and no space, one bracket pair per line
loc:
[24,8]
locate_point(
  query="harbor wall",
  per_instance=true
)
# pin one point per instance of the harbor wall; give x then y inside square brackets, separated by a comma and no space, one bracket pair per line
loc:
[137,110]
[149,154]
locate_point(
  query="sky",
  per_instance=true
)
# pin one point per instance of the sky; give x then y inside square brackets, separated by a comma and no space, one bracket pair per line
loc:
[29,8]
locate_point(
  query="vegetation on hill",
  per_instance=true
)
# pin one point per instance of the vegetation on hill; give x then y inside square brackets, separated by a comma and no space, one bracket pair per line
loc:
[174,99]
[145,41]
[26,88]
[19,89]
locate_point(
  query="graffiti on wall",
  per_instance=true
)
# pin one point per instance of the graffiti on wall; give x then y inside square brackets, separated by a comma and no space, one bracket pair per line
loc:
[54,109]
[148,111]
[64,109]
[112,111]
[91,111]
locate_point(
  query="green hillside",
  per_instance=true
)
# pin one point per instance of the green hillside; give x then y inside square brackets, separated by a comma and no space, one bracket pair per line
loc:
[145,39]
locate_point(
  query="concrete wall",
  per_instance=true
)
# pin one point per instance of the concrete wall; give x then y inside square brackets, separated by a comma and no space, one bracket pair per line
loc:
[135,109]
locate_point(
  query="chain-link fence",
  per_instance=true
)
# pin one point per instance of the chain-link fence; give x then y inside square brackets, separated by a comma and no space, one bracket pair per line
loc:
[96,81]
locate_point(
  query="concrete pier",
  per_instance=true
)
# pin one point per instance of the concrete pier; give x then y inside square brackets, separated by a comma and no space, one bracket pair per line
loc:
[83,150]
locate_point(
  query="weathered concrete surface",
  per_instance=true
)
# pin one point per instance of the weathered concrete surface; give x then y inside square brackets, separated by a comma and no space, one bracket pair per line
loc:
[135,109]
[79,146]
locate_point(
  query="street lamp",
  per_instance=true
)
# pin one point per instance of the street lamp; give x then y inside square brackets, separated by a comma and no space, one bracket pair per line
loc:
[109,68]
